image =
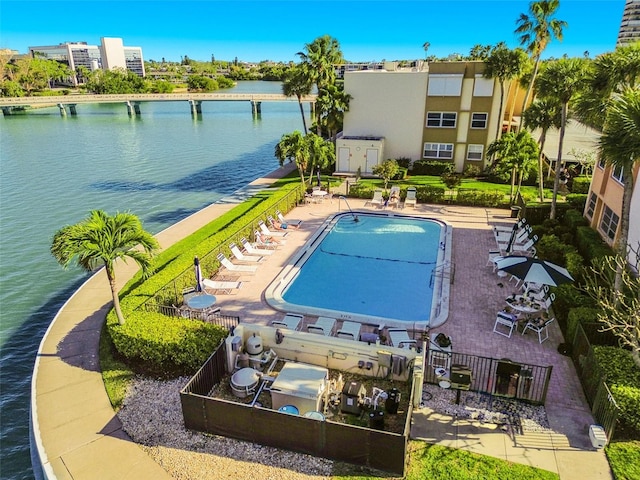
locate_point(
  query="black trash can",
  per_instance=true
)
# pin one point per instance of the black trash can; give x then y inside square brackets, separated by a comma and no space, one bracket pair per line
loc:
[392,401]
[515,211]
[376,420]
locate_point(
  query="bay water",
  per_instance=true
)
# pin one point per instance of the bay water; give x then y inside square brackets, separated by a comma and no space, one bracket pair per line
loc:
[162,166]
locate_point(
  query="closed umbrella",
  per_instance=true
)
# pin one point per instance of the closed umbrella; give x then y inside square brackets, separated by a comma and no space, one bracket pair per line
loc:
[198,271]
[534,270]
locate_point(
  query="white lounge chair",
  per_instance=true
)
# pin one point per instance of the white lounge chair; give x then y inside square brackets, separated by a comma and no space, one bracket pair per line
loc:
[540,327]
[411,197]
[394,197]
[507,320]
[349,330]
[291,321]
[268,241]
[293,223]
[399,337]
[242,257]
[226,263]
[265,230]
[527,248]
[254,250]
[219,286]
[323,326]
[509,228]
[377,200]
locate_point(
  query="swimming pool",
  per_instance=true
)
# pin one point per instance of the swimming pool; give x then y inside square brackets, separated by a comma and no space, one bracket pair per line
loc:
[381,269]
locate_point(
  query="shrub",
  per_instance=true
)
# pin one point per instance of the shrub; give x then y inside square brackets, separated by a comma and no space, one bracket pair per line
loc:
[424,167]
[404,162]
[551,249]
[361,190]
[481,198]
[581,185]
[451,179]
[427,194]
[401,175]
[568,296]
[577,200]
[574,219]
[590,245]
[624,459]
[471,171]
[579,316]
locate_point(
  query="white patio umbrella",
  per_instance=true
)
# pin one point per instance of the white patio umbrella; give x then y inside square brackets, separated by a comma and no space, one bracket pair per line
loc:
[198,272]
[534,270]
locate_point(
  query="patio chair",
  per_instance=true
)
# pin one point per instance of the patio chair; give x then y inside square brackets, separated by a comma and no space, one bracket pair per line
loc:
[527,248]
[242,257]
[509,228]
[252,249]
[349,330]
[278,225]
[377,200]
[188,292]
[522,236]
[539,325]
[295,223]
[506,321]
[267,241]
[219,286]
[323,326]
[291,321]
[411,197]
[399,337]
[265,230]
[226,263]
[394,197]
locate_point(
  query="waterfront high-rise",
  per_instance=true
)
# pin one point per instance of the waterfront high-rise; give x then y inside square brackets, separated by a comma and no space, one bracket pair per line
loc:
[630,23]
[110,54]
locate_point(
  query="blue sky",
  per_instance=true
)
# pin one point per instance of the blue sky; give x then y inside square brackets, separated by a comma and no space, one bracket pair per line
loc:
[371,30]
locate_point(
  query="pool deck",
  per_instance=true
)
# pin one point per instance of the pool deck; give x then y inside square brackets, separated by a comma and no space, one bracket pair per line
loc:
[80,437]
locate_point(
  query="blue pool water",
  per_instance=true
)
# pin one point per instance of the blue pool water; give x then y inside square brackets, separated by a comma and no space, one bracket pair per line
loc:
[378,269]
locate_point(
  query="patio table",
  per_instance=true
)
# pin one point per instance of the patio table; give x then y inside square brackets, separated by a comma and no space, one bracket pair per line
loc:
[201,302]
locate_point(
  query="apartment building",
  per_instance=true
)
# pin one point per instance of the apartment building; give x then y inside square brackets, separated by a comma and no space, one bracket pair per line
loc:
[111,53]
[630,24]
[604,204]
[444,112]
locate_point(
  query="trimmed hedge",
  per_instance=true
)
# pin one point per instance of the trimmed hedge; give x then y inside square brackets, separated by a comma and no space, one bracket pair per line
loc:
[590,244]
[536,213]
[623,377]
[577,200]
[175,345]
[579,316]
[481,198]
[428,167]
[580,185]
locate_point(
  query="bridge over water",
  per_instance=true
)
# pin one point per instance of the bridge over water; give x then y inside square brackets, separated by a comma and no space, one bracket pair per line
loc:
[133,100]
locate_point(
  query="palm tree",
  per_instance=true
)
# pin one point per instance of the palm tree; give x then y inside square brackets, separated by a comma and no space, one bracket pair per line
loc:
[505,65]
[101,239]
[536,31]
[331,104]
[296,83]
[426,46]
[562,80]
[544,113]
[295,148]
[620,146]
[517,152]
[322,153]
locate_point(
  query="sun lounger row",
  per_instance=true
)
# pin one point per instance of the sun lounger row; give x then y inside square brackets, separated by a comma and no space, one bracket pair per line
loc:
[322,326]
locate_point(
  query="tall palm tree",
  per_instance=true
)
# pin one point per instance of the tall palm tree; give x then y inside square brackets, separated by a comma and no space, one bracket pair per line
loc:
[320,58]
[535,31]
[101,239]
[505,65]
[543,113]
[562,80]
[295,148]
[426,46]
[331,104]
[517,152]
[297,83]
[620,146]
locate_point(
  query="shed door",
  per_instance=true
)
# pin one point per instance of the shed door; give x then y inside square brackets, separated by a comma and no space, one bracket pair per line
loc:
[343,159]
[372,159]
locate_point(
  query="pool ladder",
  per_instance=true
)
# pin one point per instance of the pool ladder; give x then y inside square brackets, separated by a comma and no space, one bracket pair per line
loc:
[342,197]
[446,270]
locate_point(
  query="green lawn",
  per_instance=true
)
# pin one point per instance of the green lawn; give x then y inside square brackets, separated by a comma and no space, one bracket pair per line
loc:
[429,462]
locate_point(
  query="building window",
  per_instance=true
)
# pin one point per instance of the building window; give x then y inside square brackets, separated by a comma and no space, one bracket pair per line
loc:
[444,85]
[601,163]
[438,150]
[618,173]
[474,152]
[592,205]
[609,223]
[483,87]
[441,119]
[479,120]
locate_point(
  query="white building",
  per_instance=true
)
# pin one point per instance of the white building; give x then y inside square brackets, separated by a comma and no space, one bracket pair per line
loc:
[109,55]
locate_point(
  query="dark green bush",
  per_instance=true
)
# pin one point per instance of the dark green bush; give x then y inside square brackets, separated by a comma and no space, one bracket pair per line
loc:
[553,250]
[404,162]
[427,194]
[569,296]
[623,377]
[577,200]
[579,316]
[481,198]
[574,219]
[590,244]
[425,167]
[401,175]
[581,185]
[361,190]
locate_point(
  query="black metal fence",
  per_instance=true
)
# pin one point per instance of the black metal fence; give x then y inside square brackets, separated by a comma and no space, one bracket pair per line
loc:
[227,321]
[603,406]
[373,448]
[499,377]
